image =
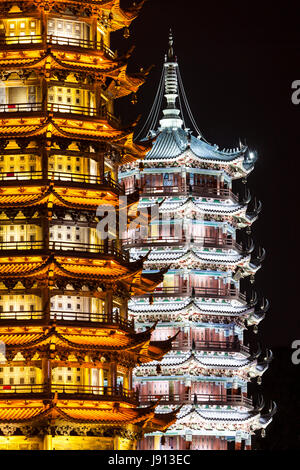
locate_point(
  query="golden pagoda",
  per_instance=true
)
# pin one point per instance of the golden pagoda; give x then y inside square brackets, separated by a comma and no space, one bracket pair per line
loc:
[67,346]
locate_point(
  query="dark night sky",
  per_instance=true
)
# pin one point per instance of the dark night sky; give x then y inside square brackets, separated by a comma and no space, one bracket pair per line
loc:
[237,61]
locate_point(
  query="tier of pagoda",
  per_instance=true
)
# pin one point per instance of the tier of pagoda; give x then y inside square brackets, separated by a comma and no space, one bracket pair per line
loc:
[186,188]
[68,347]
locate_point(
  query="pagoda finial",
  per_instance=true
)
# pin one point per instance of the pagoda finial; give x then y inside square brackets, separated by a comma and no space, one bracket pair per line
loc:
[171,118]
[170,56]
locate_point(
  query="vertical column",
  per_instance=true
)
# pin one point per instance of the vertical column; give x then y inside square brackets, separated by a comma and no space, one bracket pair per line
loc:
[112,376]
[101,165]
[94,30]
[45,227]
[235,387]
[44,159]
[156,442]
[44,26]
[124,309]
[101,381]
[86,376]
[238,442]
[116,443]
[126,383]
[108,303]
[98,99]
[44,90]
[46,370]
[248,443]
[47,444]
[45,297]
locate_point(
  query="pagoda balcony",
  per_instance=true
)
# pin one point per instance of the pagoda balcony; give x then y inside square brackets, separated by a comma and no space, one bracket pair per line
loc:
[195,190]
[80,319]
[199,399]
[61,108]
[66,391]
[226,243]
[9,178]
[31,41]
[222,346]
[68,248]
[209,292]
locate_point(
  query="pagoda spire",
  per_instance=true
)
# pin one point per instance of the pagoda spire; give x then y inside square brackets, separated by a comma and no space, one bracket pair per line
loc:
[171,113]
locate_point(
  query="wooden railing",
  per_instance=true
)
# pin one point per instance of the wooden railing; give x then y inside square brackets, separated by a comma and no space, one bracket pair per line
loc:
[67,317]
[201,191]
[90,317]
[196,398]
[61,176]
[206,242]
[210,292]
[101,113]
[20,175]
[98,392]
[94,392]
[21,315]
[11,41]
[20,107]
[103,249]
[207,345]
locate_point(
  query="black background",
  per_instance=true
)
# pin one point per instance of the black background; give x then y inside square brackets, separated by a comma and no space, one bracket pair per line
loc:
[238,61]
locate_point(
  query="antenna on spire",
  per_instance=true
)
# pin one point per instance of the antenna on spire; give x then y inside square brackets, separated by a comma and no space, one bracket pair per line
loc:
[170,55]
[170,86]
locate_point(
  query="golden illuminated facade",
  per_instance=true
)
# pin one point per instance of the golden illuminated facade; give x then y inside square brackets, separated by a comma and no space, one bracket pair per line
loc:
[68,348]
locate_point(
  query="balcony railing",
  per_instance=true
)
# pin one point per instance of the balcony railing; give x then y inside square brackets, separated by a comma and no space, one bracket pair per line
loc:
[198,190]
[210,292]
[21,107]
[205,242]
[21,315]
[61,176]
[62,316]
[94,392]
[196,398]
[103,249]
[101,113]
[11,41]
[186,345]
